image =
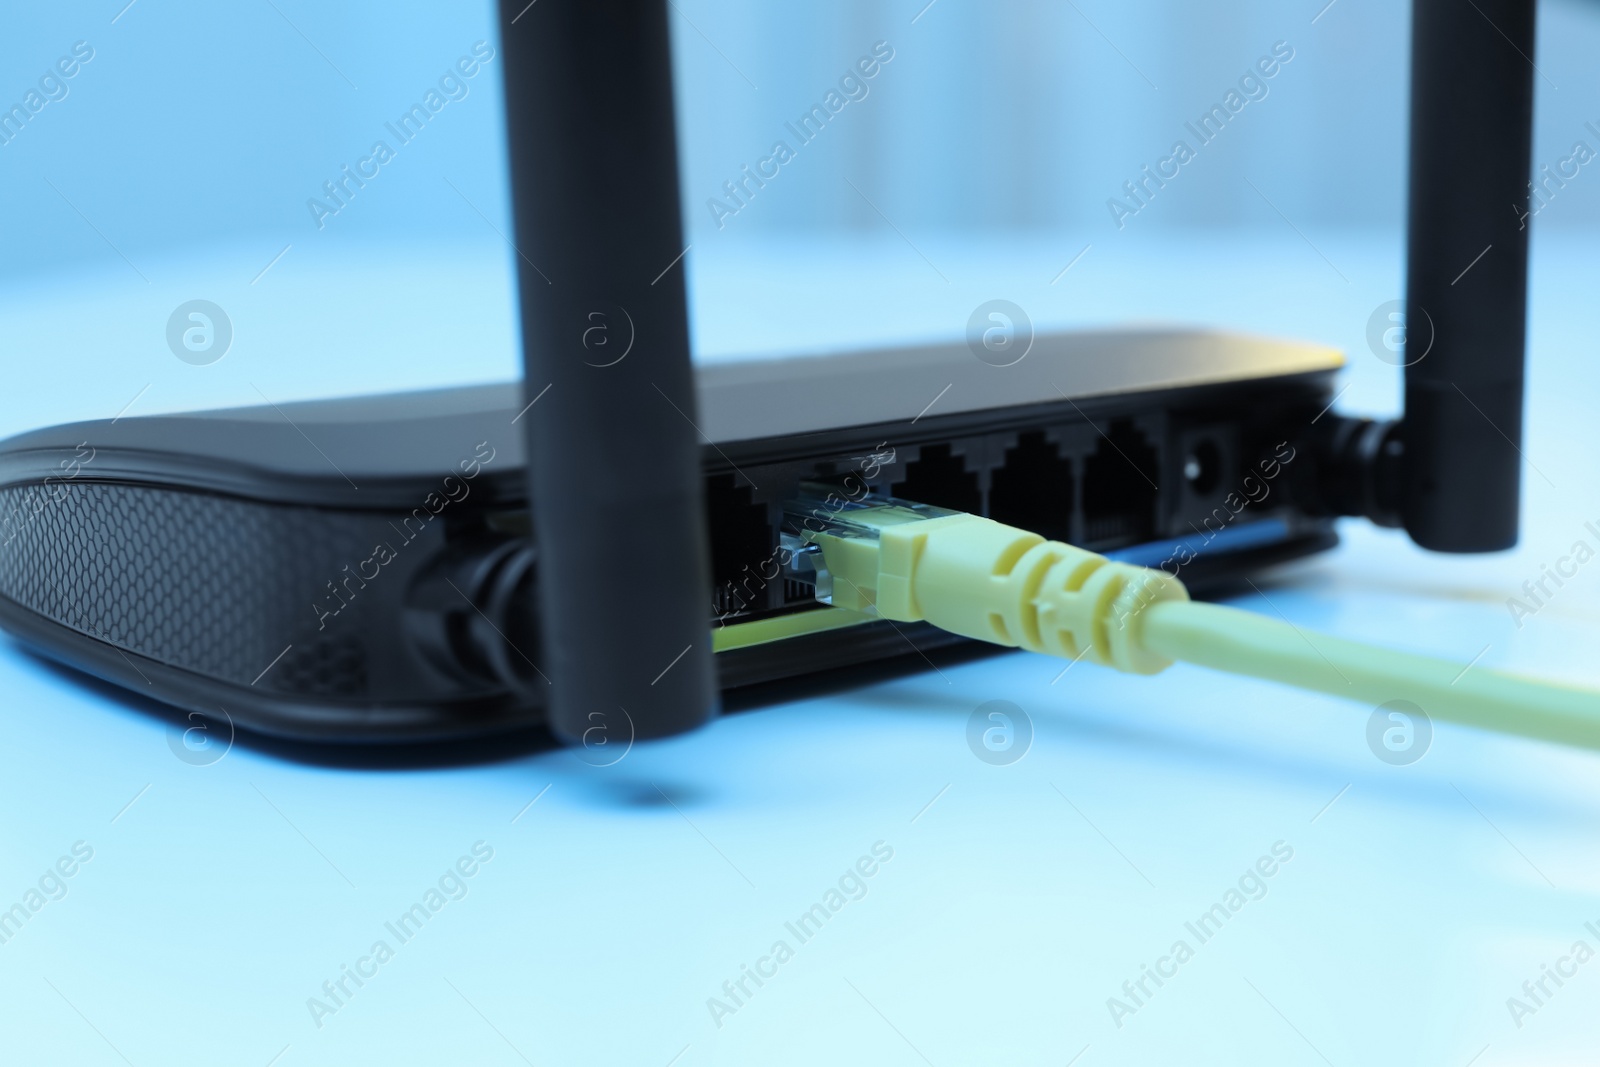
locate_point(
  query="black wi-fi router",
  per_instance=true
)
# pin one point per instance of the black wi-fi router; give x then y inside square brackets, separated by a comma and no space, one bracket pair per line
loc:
[467,561]
[362,569]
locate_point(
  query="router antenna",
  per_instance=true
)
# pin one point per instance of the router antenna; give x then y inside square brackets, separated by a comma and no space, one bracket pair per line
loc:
[614,469]
[1467,271]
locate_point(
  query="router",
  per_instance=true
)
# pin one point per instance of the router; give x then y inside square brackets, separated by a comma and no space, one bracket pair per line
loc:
[361,569]
[600,539]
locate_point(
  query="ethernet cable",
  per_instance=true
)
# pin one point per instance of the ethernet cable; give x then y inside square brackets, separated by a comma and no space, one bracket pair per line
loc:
[879,557]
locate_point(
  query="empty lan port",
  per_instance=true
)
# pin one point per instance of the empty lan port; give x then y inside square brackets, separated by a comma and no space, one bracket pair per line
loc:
[741,542]
[1033,490]
[1119,489]
[940,479]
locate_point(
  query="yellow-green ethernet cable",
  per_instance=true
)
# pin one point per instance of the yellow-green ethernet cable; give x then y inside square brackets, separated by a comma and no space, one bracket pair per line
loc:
[982,579]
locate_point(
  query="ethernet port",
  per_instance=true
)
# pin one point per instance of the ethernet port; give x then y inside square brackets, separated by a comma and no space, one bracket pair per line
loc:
[940,478]
[742,541]
[1119,488]
[1033,490]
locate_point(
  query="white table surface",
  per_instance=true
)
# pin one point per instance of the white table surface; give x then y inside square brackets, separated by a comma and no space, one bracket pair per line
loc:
[1019,898]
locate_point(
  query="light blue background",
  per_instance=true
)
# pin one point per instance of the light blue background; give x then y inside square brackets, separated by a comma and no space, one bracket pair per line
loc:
[199,124]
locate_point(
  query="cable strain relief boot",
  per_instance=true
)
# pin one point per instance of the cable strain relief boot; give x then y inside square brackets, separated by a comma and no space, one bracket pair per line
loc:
[985,580]
[1093,611]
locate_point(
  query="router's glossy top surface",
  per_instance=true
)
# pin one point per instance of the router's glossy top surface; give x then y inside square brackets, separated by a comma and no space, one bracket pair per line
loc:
[392,447]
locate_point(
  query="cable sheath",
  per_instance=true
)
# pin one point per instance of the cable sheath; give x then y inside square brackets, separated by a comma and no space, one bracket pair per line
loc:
[1241,642]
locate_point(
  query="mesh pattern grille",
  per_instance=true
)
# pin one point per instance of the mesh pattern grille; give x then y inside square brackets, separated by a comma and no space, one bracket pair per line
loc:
[206,583]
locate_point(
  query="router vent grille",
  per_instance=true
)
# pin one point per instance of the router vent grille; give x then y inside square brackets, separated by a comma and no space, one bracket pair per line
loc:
[204,583]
